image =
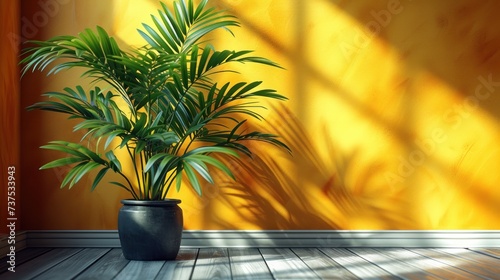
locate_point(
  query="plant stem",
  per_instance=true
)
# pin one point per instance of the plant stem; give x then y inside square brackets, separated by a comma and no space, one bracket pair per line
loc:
[169,180]
[133,158]
[131,190]
[145,176]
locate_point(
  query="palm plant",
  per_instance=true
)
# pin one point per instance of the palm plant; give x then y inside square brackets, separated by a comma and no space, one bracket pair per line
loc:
[176,117]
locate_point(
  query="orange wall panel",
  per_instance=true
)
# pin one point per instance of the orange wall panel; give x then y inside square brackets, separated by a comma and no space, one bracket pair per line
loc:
[393,117]
[10,189]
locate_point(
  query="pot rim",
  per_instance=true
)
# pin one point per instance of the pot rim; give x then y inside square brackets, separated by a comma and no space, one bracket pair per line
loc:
[168,201]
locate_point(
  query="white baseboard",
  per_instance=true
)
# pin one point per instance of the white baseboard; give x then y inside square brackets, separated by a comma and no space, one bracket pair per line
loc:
[277,238]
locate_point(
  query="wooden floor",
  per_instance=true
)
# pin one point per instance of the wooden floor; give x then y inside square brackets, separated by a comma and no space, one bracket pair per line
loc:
[259,263]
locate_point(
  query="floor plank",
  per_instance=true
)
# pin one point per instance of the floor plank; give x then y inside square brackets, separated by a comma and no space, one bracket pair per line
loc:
[357,265]
[284,264]
[322,265]
[486,263]
[459,263]
[72,266]
[212,263]
[432,266]
[22,257]
[38,265]
[181,268]
[261,263]
[394,266]
[248,263]
[140,270]
[493,252]
[106,267]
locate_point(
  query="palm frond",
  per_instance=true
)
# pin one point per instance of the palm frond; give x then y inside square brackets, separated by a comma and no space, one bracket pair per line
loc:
[178,31]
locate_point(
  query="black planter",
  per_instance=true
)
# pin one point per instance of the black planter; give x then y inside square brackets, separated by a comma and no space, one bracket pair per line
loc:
[150,230]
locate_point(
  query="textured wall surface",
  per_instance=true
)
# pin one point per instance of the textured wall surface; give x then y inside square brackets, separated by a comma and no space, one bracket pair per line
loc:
[393,117]
[9,110]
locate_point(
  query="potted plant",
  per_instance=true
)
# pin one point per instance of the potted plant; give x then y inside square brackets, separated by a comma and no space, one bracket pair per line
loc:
[164,108]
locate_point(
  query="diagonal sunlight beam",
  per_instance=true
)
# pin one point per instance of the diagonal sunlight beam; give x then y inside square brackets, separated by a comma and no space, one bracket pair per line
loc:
[400,132]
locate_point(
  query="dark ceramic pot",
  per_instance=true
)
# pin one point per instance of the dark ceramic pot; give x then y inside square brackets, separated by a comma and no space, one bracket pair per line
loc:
[150,230]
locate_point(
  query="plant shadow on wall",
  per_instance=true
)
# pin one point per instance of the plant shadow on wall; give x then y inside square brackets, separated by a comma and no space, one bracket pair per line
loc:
[417,88]
[457,80]
[340,192]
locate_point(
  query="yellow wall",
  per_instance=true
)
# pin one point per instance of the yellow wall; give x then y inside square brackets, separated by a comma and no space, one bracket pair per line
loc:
[393,118]
[9,113]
